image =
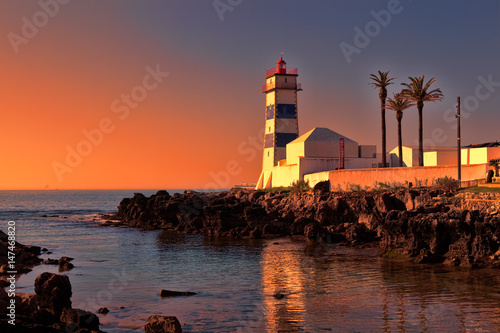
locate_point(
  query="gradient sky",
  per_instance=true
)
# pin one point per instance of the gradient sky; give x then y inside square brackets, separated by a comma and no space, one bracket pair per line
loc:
[201,127]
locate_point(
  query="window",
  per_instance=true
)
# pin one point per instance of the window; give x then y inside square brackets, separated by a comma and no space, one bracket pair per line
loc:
[269,129]
[267,154]
[285,80]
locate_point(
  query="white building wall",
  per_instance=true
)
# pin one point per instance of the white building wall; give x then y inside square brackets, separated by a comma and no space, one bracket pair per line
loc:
[269,126]
[465,156]
[268,160]
[313,165]
[430,158]
[286,79]
[410,157]
[367,151]
[330,149]
[478,155]
[493,152]
[270,97]
[293,152]
[284,175]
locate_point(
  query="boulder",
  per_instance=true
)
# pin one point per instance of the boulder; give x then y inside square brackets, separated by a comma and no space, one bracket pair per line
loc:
[322,187]
[36,250]
[171,293]
[51,262]
[53,292]
[314,231]
[103,310]
[279,295]
[80,318]
[297,228]
[25,304]
[162,324]
[386,202]
[65,265]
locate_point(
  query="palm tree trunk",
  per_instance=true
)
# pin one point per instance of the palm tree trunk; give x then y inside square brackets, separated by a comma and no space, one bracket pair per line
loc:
[384,162]
[400,144]
[420,136]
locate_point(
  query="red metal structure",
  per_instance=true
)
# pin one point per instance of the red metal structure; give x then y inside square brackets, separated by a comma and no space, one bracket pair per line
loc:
[341,154]
[281,70]
[281,66]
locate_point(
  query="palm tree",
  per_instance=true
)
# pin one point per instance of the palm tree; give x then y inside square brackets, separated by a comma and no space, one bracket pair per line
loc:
[416,91]
[494,162]
[399,103]
[381,82]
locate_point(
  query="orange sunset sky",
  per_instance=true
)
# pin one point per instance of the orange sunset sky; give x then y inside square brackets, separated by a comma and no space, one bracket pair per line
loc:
[200,125]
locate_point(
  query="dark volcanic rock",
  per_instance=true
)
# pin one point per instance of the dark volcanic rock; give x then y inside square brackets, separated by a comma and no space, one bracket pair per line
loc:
[80,318]
[413,222]
[162,324]
[51,262]
[322,187]
[26,256]
[298,226]
[279,295]
[314,231]
[49,310]
[103,310]
[171,293]
[65,265]
[53,293]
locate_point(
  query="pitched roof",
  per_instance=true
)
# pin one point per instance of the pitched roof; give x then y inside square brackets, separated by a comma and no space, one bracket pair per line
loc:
[487,144]
[321,134]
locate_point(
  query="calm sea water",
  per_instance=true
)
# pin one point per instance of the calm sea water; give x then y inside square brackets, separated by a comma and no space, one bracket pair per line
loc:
[328,288]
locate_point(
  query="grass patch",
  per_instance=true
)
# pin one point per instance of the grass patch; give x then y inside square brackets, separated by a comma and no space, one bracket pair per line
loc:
[275,189]
[299,186]
[393,254]
[480,189]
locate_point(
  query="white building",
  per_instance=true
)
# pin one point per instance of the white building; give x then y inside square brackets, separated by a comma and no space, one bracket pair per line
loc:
[436,156]
[287,157]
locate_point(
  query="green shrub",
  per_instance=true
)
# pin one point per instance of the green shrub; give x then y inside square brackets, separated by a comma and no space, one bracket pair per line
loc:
[447,184]
[300,186]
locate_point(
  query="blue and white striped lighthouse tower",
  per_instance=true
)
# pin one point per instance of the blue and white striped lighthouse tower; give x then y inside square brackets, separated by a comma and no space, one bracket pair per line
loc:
[282,124]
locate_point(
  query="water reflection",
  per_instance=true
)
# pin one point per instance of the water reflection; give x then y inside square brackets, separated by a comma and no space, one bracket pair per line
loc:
[326,288]
[282,274]
[340,289]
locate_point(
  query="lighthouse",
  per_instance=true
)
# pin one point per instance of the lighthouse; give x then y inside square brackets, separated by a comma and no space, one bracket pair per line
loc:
[281,116]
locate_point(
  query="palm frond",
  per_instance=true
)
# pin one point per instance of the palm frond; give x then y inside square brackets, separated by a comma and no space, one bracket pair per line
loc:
[399,102]
[417,91]
[382,80]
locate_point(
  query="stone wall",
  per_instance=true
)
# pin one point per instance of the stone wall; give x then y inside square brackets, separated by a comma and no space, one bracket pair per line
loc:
[368,178]
[486,202]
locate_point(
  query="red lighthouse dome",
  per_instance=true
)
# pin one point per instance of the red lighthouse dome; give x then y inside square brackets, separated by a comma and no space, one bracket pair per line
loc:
[281,66]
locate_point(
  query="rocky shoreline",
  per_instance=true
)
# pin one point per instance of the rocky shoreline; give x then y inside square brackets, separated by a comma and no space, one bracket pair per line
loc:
[425,224]
[50,308]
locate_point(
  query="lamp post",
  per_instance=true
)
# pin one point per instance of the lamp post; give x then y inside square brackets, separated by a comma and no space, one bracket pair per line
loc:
[459,149]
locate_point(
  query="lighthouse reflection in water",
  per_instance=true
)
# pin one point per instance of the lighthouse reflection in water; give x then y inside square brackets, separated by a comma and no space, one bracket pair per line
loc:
[333,288]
